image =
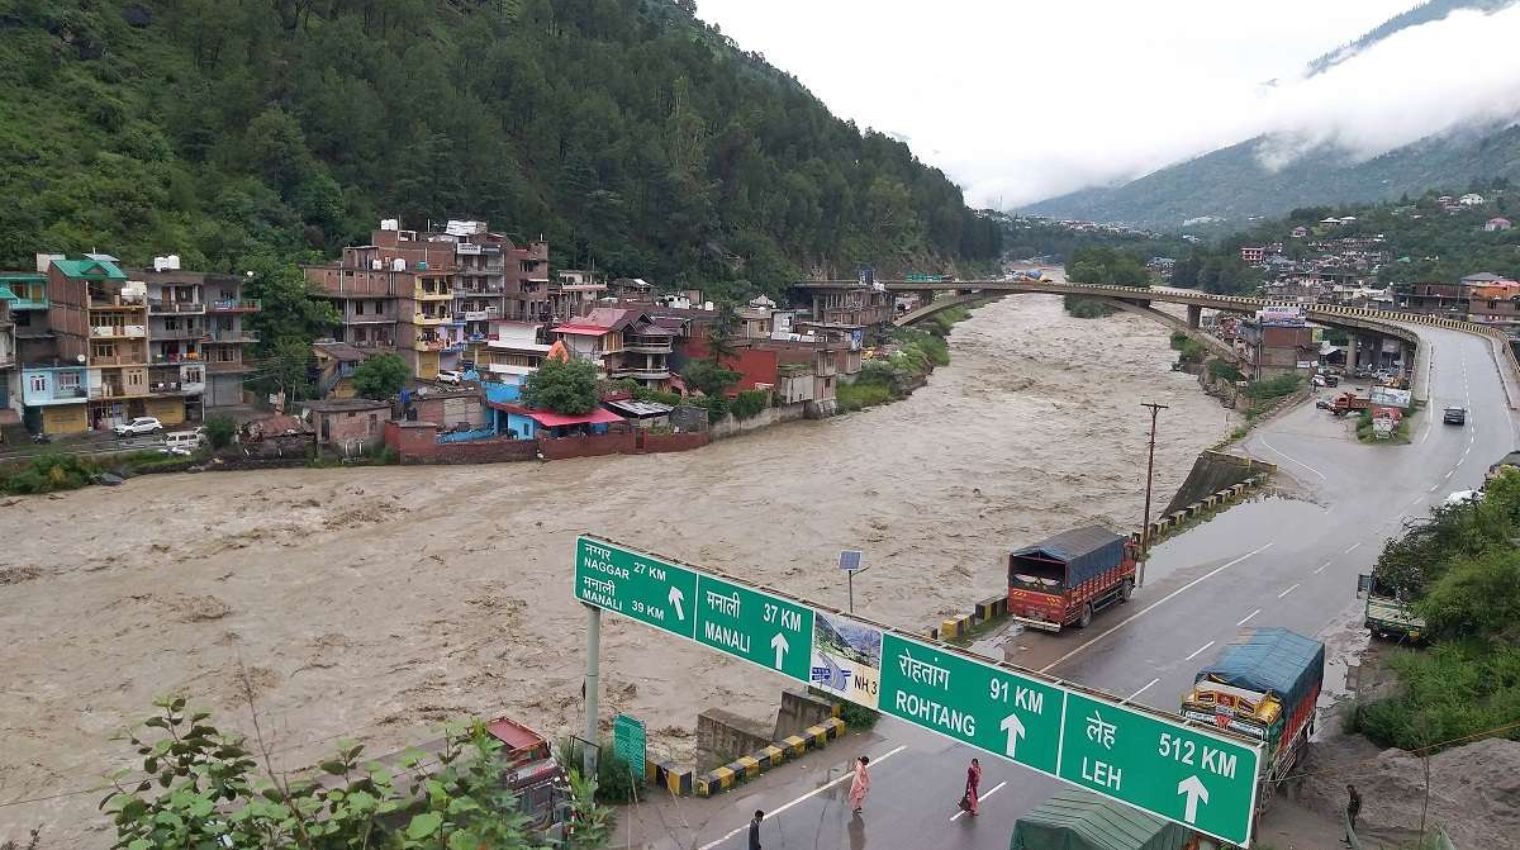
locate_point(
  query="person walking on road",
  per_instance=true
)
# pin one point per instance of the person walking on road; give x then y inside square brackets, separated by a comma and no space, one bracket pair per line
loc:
[973,787]
[1353,808]
[754,830]
[860,786]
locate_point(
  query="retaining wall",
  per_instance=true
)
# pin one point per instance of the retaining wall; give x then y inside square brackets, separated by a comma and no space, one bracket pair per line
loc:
[728,426]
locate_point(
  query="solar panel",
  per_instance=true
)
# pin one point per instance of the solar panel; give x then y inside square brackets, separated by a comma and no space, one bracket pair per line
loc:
[849,560]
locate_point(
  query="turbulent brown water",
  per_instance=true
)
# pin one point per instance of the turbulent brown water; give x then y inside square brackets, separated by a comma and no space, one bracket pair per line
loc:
[377,603]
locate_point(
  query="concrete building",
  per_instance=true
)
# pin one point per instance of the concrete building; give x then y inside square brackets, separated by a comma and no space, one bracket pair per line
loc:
[351,425]
[1497,304]
[26,294]
[198,334]
[513,351]
[1435,299]
[575,291]
[1252,254]
[863,304]
[100,319]
[8,375]
[1273,348]
[1497,224]
[336,362]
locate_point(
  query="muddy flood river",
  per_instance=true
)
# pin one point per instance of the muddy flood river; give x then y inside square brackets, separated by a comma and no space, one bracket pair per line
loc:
[377,603]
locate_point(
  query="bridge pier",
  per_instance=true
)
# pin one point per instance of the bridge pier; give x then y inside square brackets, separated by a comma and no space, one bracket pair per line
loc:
[1194,315]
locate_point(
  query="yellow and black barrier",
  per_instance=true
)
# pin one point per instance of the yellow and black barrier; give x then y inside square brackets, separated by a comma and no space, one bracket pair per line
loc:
[747,767]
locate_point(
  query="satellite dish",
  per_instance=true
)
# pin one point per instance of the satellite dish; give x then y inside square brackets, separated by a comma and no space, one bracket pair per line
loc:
[80,358]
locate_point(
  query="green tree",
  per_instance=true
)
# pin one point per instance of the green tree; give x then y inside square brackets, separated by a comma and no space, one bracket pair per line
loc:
[199,787]
[709,377]
[220,430]
[287,367]
[381,376]
[563,386]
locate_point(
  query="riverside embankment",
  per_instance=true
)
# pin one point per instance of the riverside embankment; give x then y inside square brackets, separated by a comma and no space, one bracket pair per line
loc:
[376,603]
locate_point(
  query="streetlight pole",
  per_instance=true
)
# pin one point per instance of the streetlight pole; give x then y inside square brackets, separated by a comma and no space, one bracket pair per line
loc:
[1150,468]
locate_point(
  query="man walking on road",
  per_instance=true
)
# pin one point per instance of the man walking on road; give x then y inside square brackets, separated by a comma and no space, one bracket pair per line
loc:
[754,830]
[860,786]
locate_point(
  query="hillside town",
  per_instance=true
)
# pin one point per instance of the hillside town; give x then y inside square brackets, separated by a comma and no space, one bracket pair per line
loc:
[93,348]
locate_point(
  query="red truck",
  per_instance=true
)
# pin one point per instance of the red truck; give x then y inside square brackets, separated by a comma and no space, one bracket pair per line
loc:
[1064,580]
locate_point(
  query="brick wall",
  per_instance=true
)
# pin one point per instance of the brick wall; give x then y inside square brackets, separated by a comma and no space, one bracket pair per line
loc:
[486,451]
[606,444]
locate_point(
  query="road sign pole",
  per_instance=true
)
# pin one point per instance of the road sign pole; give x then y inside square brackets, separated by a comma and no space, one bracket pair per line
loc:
[593,663]
[1150,468]
[851,582]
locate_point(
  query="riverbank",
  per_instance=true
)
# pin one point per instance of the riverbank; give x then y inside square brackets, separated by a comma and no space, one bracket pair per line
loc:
[377,603]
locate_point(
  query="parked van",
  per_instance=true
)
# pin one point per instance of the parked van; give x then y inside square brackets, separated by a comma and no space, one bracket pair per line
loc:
[184,442]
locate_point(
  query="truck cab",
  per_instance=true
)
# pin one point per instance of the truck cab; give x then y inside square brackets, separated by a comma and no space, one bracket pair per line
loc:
[534,776]
[1062,581]
[1387,614]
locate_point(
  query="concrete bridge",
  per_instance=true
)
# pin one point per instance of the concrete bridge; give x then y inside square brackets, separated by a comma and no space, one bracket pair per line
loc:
[1367,321]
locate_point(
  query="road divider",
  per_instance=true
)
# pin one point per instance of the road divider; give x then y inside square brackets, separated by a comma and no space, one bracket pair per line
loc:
[748,767]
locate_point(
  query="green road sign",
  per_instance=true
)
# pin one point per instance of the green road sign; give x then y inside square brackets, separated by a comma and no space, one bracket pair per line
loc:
[1006,714]
[636,585]
[1164,765]
[629,743]
[1179,772]
[758,627]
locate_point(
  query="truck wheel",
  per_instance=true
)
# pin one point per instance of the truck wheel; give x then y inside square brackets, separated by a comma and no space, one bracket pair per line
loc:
[1086,618]
[1125,589]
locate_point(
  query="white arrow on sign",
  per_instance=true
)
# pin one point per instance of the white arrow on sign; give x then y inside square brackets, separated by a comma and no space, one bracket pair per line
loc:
[779,644]
[1195,791]
[675,599]
[1015,729]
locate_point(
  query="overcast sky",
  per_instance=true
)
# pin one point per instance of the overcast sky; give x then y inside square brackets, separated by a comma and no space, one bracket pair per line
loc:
[1020,100]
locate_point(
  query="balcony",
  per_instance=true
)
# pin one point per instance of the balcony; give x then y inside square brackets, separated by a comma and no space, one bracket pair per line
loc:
[117,301]
[115,391]
[233,335]
[429,345]
[641,374]
[169,387]
[648,347]
[160,307]
[440,294]
[196,332]
[176,358]
[429,320]
[234,305]
[224,366]
[119,332]
[118,360]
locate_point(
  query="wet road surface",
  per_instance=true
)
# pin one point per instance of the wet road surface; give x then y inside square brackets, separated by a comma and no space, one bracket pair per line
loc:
[1271,562]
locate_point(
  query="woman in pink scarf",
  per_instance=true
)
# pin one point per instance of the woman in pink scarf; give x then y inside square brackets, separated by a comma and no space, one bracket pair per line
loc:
[860,786]
[973,787]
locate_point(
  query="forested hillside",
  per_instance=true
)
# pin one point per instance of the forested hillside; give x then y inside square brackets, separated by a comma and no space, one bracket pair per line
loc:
[625,131]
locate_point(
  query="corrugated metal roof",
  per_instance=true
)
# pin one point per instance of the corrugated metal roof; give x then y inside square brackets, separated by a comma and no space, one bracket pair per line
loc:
[90,268]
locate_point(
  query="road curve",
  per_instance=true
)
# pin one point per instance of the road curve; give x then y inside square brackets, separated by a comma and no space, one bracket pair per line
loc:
[1271,562]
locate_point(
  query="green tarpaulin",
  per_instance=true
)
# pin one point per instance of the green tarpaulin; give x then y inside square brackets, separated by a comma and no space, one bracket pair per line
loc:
[1078,820]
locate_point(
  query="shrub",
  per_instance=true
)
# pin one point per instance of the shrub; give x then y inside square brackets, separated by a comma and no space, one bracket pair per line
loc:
[1270,388]
[1223,371]
[615,783]
[220,430]
[862,394]
[48,473]
[657,396]
[749,404]
[858,717]
[1086,308]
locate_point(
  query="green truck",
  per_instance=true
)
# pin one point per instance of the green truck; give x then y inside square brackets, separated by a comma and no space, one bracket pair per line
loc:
[1386,615]
[1081,820]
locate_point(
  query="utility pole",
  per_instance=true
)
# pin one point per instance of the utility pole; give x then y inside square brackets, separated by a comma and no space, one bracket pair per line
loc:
[1150,468]
[592,685]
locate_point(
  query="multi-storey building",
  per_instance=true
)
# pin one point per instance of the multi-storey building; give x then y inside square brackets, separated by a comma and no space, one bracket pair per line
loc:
[624,343]
[198,335]
[26,293]
[431,297]
[7,364]
[575,291]
[100,320]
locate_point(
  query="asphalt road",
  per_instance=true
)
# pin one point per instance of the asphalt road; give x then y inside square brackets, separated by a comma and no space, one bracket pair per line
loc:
[1278,562]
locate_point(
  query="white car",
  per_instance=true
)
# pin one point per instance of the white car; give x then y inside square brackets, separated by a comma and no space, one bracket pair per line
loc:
[140,425]
[451,377]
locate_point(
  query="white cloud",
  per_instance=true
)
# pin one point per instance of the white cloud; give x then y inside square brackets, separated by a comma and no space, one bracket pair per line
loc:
[1022,100]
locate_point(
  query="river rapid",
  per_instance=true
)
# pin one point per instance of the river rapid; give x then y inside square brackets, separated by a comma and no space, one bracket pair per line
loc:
[377,603]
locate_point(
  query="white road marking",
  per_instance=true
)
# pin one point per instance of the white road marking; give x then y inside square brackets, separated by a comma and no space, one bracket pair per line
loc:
[1194,655]
[1247,618]
[1432,488]
[1288,591]
[1353,547]
[1321,568]
[808,796]
[1147,609]
[1415,500]
[1273,450]
[1447,475]
[979,799]
[1147,687]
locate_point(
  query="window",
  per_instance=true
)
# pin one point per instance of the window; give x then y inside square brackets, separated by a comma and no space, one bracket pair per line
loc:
[68,380]
[359,307]
[103,349]
[38,383]
[193,375]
